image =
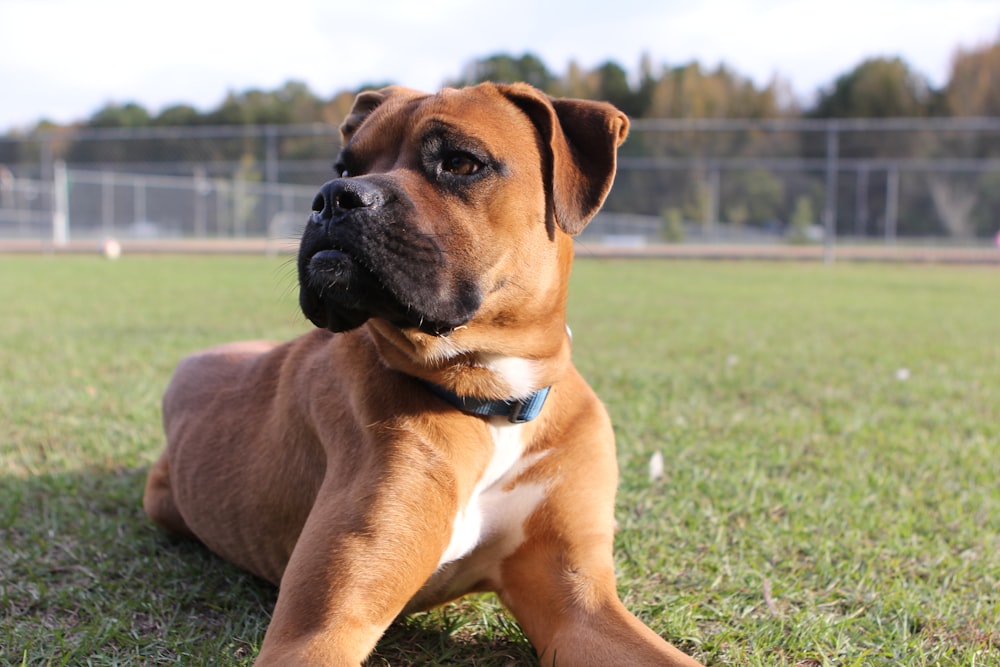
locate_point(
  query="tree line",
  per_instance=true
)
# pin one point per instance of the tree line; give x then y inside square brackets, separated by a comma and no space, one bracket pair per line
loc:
[880,87]
[962,205]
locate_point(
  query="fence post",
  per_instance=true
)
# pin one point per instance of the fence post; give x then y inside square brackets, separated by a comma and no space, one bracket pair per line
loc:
[201,191]
[861,203]
[271,175]
[891,204]
[139,201]
[108,203]
[714,190]
[830,205]
[60,204]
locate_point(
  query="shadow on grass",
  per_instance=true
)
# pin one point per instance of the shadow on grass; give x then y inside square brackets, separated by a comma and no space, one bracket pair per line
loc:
[421,640]
[85,577]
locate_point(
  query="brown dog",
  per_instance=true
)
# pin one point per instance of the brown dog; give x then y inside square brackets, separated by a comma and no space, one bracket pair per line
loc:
[444,443]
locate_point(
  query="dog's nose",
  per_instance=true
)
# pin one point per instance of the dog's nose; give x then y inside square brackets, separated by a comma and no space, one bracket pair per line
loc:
[341,195]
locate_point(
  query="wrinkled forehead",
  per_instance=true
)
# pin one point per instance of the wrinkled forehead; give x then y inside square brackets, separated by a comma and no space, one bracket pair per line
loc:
[479,113]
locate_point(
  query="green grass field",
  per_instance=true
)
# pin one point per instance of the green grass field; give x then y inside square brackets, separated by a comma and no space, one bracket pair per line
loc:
[831,438]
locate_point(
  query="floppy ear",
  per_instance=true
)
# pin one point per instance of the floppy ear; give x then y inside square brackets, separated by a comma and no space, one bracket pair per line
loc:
[365,103]
[582,140]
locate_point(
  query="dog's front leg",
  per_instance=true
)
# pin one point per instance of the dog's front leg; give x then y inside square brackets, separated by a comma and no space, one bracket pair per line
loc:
[560,582]
[363,553]
[561,588]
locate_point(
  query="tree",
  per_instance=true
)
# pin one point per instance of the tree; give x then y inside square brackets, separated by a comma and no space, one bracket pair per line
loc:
[802,220]
[613,87]
[612,83]
[752,196]
[180,115]
[985,216]
[877,88]
[954,203]
[292,103]
[973,89]
[690,92]
[127,115]
[576,82]
[503,68]
[967,205]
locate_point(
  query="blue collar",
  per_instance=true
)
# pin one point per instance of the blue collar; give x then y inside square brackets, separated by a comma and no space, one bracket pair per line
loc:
[517,411]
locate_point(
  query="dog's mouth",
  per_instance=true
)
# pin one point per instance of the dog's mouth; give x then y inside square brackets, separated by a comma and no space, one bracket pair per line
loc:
[324,273]
[326,258]
[343,283]
[329,263]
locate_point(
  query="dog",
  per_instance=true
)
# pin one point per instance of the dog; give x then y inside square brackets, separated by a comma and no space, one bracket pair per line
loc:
[431,436]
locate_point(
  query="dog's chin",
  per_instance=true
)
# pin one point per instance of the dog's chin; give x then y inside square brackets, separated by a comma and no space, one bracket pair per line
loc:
[326,295]
[339,294]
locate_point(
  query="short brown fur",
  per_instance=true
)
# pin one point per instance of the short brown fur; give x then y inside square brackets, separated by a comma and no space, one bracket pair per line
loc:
[324,465]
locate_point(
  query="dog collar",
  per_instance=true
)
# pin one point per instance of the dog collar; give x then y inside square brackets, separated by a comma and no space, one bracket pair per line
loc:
[517,411]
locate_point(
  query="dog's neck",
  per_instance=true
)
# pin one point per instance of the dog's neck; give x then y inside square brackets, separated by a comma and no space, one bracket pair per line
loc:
[461,366]
[513,347]
[516,411]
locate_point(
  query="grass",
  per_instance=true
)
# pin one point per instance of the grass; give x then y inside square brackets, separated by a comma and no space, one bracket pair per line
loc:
[831,438]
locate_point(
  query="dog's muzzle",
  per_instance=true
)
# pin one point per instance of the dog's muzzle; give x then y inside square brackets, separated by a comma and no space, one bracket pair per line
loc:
[363,254]
[332,204]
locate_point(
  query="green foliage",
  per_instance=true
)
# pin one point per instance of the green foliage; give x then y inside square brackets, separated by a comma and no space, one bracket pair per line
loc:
[128,115]
[818,505]
[737,213]
[672,230]
[984,215]
[613,86]
[973,87]
[690,92]
[180,115]
[803,217]
[698,203]
[503,68]
[877,88]
[292,103]
[753,196]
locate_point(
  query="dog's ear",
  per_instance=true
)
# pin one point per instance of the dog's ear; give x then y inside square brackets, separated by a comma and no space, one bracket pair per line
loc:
[365,103]
[582,140]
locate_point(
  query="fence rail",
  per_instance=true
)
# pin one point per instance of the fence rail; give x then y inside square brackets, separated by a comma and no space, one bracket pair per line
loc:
[87,204]
[705,181]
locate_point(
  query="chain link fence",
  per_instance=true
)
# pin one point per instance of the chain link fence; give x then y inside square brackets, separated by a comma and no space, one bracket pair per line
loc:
[783,181]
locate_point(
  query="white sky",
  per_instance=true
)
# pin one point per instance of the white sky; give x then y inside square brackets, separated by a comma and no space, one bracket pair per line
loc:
[64,59]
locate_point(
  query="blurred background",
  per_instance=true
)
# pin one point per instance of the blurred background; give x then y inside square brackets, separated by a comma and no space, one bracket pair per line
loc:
[758,124]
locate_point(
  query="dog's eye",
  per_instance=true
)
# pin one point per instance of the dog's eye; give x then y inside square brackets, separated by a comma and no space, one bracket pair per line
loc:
[461,164]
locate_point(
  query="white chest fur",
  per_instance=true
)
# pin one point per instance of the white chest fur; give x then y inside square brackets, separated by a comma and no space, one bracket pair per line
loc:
[497,508]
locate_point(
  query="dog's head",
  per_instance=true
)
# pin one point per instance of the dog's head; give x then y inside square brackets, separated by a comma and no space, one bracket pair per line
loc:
[449,207]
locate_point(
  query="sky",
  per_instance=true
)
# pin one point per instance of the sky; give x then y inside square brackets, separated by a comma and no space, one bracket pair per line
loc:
[62,60]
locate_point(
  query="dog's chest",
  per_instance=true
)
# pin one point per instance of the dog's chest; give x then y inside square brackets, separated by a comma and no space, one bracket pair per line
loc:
[498,506]
[491,524]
